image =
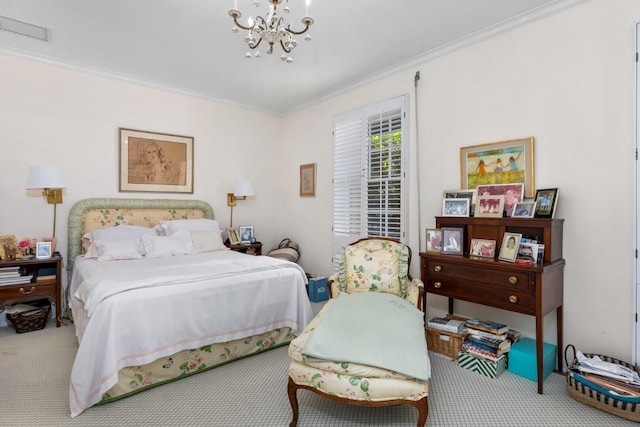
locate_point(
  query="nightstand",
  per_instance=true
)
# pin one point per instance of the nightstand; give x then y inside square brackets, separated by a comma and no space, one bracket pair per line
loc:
[47,287]
[249,248]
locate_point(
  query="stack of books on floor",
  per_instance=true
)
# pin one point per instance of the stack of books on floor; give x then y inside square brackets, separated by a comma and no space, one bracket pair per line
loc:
[13,276]
[485,346]
[486,338]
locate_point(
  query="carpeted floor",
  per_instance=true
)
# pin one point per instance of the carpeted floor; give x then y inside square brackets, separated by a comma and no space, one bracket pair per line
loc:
[35,368]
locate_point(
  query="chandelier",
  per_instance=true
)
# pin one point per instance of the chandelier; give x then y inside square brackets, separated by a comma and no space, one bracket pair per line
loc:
[272,30]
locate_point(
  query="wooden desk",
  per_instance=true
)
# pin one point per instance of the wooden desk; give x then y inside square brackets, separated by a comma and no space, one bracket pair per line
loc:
[534,290]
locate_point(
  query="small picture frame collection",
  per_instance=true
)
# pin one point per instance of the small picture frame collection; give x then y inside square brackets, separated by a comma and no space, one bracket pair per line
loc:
[514,248]
[498,201]
[495,179]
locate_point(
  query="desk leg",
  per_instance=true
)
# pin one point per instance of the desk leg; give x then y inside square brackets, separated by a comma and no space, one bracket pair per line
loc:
[450,305]
[559,338]
[539,342]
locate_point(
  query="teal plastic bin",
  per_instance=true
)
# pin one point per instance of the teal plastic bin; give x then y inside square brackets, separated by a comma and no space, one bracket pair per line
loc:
[523,361]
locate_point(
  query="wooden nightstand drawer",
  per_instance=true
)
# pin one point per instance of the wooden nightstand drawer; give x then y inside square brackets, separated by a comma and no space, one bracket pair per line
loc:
[27,290]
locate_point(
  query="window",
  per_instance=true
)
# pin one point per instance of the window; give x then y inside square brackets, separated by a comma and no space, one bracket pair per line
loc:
[368,174]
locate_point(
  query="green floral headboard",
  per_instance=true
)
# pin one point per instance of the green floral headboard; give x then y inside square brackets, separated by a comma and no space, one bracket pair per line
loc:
[91,214]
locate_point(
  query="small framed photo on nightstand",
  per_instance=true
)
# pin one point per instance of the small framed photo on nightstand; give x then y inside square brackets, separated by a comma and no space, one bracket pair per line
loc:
[43,250]
[232,233]
[246,234]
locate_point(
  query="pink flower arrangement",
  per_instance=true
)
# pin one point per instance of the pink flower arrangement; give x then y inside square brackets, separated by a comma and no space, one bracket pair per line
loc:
[27,245]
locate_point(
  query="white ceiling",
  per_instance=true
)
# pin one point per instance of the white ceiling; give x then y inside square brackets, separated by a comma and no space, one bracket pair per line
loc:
[188,45]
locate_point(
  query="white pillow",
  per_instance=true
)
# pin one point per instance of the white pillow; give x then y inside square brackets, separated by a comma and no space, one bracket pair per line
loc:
[119,232]
[109,250]
[200,224]
[207,241]
[179,243]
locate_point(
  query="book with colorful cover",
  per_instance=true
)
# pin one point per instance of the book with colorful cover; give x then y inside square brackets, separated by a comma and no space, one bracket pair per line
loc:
[487,326]
[486,334]
[496,344]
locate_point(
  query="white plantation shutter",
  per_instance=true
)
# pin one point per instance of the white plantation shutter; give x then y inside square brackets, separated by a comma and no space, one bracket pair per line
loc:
[368,174]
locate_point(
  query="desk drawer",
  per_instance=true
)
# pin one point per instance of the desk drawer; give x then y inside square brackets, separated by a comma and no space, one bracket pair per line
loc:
[482,293]
[512,279]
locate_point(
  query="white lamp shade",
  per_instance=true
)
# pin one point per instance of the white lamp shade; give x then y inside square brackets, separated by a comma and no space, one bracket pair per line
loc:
[44,177]
[243,188]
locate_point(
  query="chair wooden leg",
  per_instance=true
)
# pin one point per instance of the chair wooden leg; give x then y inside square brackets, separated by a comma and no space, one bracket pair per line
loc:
[423,411]
[293,400]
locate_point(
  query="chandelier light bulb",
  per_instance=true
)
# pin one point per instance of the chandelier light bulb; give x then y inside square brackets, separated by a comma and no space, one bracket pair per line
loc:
[257,54]
[308,37]
[289,60]
[235,29]
[247,55]
[286,9]
[255,3]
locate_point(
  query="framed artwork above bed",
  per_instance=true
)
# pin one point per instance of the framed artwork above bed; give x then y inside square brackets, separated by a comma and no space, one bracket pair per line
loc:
[155,162]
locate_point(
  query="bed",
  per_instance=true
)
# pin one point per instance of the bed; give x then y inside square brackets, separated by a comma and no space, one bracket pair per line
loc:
[143,321]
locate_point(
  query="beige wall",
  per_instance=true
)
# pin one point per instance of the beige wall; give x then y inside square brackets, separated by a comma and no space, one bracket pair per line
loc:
[567,79]
[54,115]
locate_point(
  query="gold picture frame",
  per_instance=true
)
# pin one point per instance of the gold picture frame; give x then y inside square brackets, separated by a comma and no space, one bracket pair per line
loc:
[234,238]
[504,162]
[434,239]
[155,162]
[308,180]
[8,246]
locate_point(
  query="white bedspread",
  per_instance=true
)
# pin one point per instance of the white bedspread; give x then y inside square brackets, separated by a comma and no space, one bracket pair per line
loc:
[132,312]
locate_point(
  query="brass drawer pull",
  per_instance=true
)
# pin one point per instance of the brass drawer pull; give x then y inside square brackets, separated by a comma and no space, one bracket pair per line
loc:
[437,285]
[437,268]
[513,299]
[513,280]
[23,292]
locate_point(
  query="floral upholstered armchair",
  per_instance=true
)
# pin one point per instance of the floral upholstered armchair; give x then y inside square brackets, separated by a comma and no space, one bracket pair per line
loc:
[377,264]
[370,265]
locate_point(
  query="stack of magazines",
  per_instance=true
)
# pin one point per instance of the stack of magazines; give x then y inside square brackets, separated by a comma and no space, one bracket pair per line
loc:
[610,376]
[447,324]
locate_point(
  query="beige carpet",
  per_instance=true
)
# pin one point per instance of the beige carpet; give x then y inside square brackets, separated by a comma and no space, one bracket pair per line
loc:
[35,368]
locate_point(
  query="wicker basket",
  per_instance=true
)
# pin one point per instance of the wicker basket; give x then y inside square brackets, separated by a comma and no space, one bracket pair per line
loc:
[447,343]
[444,342]
[590,394]
[31,320]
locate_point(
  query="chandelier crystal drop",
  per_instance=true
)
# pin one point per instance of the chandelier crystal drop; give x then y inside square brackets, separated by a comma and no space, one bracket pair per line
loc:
[272,29]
